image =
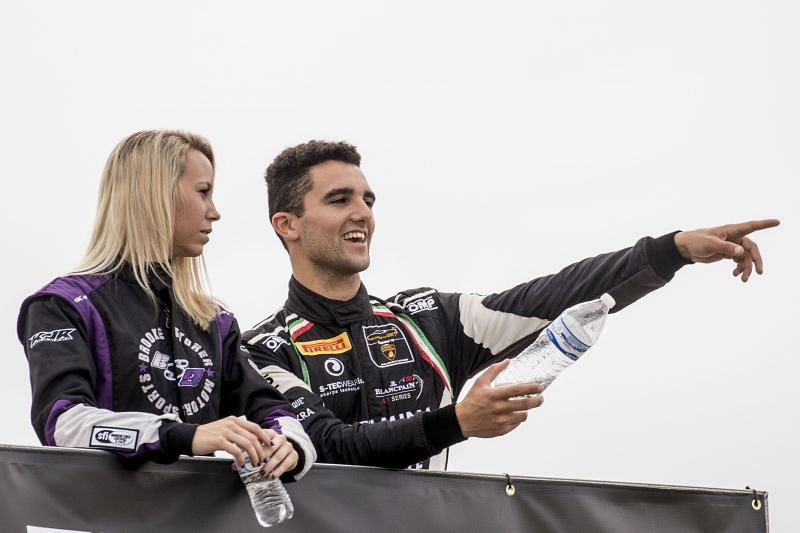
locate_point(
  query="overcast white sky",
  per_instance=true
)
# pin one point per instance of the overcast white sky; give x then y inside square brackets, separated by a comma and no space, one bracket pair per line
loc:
[504,140]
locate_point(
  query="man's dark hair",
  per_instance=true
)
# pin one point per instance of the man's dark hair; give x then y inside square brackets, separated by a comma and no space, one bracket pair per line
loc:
[288,178]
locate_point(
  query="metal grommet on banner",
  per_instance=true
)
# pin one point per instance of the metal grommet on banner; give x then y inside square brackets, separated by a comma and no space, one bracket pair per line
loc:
[756,503]
[510,490]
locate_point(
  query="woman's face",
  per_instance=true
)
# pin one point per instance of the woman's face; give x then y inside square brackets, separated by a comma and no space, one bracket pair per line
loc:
[194,209]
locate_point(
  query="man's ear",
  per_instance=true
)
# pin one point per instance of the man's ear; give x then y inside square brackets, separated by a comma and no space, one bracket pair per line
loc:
[285,225]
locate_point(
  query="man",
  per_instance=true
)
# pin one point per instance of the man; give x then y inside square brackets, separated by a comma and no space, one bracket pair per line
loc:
[373,381]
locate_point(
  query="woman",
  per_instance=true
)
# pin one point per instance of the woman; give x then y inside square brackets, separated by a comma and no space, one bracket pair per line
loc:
[129,353]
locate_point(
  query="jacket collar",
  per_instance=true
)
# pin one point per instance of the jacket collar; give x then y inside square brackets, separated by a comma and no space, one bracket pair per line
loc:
[159,280]
[321,310]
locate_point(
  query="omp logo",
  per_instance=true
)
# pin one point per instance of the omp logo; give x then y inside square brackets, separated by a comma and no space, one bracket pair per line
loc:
[57,335]
[116,438]
[423,304]
[338,344]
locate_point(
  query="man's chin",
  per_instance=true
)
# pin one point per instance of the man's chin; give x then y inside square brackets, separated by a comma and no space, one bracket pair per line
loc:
[356,267]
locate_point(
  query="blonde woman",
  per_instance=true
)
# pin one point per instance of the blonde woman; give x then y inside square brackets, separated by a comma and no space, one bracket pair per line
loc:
[129,353]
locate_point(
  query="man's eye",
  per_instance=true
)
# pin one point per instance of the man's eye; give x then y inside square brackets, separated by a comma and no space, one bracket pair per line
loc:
[338,201]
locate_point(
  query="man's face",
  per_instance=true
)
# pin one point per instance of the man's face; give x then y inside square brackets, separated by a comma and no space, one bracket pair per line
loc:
[337,224]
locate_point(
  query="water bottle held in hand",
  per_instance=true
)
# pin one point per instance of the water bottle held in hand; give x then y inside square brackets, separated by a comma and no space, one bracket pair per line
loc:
[269,498]
[559,345]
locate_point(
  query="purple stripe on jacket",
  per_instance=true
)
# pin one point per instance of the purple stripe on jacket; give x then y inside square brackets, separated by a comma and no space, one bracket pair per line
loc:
[59,408]
[271,419]
[75,289]
[141,450]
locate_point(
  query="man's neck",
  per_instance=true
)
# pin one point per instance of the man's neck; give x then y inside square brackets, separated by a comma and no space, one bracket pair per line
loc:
[329,285]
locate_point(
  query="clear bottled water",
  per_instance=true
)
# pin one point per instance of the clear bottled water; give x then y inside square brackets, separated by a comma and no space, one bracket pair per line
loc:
[559,345]
[269,498]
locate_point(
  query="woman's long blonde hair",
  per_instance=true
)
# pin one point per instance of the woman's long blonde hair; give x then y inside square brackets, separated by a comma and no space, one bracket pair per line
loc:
[135,220]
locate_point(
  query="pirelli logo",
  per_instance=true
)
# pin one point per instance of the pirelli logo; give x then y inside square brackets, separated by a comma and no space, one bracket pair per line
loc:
[338,344]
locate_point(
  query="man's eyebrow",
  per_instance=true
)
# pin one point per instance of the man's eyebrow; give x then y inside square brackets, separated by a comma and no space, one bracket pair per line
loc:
[344,191]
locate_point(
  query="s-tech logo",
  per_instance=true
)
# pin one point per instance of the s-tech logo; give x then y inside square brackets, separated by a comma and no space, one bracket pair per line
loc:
[115,438]
[57,335]
[338,344]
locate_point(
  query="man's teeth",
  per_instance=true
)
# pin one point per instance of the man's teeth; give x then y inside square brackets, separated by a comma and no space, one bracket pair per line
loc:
[355,236]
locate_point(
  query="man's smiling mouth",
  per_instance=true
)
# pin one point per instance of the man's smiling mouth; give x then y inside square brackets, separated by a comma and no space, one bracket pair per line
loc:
[355,236]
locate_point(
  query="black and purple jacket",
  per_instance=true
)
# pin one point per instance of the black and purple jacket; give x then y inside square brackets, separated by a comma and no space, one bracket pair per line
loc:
[111,369]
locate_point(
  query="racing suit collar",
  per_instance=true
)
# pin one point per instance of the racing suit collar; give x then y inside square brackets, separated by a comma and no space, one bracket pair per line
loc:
[321,310]
[159,279]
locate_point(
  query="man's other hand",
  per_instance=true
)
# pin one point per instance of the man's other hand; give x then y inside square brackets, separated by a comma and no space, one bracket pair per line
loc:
[487,411]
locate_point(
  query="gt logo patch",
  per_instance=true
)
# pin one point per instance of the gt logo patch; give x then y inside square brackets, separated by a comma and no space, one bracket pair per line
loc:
[387,345]
[339,344]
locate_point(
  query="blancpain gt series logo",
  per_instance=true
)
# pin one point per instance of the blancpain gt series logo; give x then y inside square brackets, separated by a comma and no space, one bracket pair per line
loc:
[57,335]
[405,388]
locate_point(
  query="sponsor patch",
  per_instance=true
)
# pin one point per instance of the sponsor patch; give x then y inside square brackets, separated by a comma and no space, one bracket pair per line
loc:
[114,438]
[423,304]
[406,388]
[338,344]
[387,345]
[274,342]
[57,335]
[334,367]
[347,385]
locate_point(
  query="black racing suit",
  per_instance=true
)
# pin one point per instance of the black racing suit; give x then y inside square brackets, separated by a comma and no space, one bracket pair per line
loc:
[360,372]
[110,369]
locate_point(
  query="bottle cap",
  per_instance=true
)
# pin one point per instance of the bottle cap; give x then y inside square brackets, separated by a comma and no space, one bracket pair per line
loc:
[608,300]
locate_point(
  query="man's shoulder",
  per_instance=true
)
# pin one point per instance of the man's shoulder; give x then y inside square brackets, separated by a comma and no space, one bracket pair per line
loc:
[272,326]
[413,301]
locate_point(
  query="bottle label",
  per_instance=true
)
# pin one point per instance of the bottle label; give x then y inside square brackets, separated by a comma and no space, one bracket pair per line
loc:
[248,467]
[563,339]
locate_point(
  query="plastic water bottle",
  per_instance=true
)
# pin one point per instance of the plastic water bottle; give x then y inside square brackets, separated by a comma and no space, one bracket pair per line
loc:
[269,498]
[559,345]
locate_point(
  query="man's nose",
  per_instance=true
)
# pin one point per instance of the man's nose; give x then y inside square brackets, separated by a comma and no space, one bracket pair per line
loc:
[361,211]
